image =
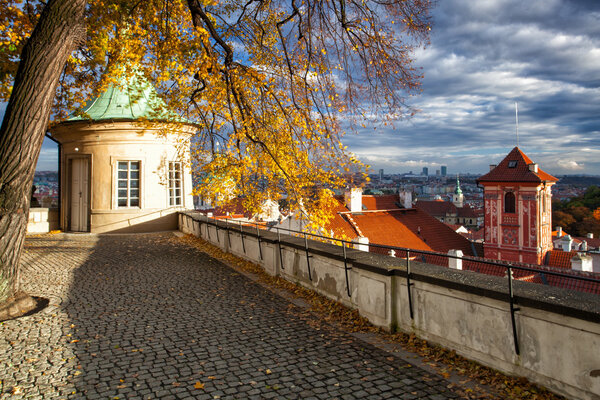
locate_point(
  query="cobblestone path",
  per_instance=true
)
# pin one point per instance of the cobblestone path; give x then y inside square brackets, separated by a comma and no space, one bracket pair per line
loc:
[146,316]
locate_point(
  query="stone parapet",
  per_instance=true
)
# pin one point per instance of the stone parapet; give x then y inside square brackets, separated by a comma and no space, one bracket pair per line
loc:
[557,330]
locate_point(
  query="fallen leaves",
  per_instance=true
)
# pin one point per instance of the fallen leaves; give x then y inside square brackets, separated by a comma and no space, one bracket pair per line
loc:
[349,320]
[199,385]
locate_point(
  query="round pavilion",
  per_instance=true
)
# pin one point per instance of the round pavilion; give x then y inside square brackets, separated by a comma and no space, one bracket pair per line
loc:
[124,168]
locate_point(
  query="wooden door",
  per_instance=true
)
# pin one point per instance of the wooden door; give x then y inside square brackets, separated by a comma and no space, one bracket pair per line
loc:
[79,195]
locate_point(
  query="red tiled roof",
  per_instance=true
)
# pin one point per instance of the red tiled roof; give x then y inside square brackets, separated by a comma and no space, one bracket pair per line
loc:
[466,212]
[386,227]
[436,234]
[520,173]
[453,226]
[234,207]
[560,259]
[591,242]
[383,202]
[340,227]
[437,208]
[409,228]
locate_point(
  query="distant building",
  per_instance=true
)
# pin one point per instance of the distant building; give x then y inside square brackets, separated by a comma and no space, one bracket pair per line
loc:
[381,174]
[385,220]
[425,171]
[458,198]
[444,170]
[518,210]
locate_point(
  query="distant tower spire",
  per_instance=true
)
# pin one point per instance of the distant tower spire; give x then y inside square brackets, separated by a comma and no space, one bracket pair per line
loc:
[517,121]
[458,198]
[457,190]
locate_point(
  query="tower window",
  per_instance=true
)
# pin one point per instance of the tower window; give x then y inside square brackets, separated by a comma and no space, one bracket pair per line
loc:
[509,202]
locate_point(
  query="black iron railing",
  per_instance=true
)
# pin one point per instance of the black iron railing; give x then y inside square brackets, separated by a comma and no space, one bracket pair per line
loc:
[409,255]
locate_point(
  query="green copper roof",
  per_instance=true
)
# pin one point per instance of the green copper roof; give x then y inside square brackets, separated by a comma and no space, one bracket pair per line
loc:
[457,189]
[133,100]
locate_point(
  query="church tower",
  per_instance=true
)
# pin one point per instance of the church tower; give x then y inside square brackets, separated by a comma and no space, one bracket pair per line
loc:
[458,198]
[518,210]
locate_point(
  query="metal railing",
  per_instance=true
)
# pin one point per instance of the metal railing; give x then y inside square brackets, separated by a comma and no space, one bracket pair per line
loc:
[406,254]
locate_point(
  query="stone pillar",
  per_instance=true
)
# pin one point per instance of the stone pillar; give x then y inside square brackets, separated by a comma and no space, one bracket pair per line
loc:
[582,262]
[361,243]
[455,263]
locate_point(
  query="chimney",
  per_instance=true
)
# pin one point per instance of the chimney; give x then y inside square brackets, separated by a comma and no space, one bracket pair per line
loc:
[584,246]
[589,235]
[559,232]
[353,199]
[567,243]
[582,262]
[405,198]
[361,243]
[492,166]
[533,167]
[455,263]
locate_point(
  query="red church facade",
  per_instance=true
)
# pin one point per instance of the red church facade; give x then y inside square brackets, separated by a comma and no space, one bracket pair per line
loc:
[518,210]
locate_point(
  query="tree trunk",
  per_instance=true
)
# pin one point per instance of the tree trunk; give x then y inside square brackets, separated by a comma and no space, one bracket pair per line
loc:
[58,30]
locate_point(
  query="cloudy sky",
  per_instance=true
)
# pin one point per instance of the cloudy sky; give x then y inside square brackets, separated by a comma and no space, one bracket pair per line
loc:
[484,56]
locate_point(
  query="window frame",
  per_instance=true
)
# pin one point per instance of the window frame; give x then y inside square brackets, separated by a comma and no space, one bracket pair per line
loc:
[513,202]
[129,187]
[174,167]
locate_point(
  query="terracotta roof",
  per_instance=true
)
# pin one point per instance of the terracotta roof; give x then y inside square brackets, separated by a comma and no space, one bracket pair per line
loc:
[454,226]
[409,228]
[466,212]
[387,228]
[383,202]
[340,226]
[437,208]
[560,259]
[235,207]
[591,242]
[506,172]
[436,234]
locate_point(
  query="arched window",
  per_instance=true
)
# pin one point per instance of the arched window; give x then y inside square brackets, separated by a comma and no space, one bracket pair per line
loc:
[509,202]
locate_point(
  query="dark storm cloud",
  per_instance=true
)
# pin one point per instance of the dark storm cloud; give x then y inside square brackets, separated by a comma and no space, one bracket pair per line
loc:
[484,56]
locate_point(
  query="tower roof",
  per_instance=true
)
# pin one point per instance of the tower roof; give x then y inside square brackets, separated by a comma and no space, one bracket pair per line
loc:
[515,168]
[457,189]
[131,99]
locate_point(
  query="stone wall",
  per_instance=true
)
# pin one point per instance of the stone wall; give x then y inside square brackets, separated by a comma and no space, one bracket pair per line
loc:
[558,331]
[42,220]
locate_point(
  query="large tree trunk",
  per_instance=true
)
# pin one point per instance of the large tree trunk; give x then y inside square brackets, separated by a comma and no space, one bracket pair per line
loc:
[59,29]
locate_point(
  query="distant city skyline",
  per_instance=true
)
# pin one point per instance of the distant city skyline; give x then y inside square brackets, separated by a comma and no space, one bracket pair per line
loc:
[483,57]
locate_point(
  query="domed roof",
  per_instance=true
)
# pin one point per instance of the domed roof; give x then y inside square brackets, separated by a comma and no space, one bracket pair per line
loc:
[130,100]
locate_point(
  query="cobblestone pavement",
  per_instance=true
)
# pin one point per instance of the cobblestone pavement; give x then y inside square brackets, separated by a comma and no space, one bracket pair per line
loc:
[146,316]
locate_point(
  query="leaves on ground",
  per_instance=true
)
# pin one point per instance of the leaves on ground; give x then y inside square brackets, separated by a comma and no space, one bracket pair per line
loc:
[199,385]
[330,312]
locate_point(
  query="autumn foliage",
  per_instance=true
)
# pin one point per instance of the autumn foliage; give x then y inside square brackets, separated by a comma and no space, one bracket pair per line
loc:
[579,215]
[272,85]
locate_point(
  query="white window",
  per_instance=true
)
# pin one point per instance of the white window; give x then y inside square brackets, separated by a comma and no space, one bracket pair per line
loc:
[128,184]
[174,183]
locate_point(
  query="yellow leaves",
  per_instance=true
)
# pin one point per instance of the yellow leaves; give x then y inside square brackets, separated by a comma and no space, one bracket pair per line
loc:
[199,385]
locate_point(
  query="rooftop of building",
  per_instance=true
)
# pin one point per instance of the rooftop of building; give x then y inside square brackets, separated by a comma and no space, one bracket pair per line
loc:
[515,167]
